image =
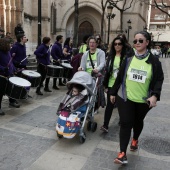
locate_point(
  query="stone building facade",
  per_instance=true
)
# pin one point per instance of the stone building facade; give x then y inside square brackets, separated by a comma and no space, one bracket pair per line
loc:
[58,18]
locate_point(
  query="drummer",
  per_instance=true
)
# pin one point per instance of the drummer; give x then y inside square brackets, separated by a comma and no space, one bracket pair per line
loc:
[6,69]
[57,55]
[43,59]
[68,51]
[18,52]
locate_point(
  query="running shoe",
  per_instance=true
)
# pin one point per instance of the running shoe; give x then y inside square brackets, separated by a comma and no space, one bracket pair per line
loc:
[104,129]
[134,145]
[121,158]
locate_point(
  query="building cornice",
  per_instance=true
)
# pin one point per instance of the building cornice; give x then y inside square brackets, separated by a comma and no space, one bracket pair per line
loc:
[35,18]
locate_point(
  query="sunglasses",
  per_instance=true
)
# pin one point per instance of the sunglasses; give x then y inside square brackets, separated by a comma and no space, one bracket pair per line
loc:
[119,44]
[135,41]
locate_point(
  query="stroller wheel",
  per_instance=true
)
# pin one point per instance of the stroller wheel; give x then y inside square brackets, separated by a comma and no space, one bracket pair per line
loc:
[93,126]
[82,139]
[59,136]
[89,125]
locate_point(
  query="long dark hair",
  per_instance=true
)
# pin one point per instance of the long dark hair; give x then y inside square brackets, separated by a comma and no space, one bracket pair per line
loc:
[112,53]
[67,41]
[4,44]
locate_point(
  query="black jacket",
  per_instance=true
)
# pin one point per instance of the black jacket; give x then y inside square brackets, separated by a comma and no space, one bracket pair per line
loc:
[110,62]
[155,86]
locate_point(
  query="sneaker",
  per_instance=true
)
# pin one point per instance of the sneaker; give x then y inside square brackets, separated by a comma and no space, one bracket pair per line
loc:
[134,145]
[1,113]
[39,93]
[121,158]
[47,90]
[104,129]
[61,84]
[56,88]
[14,104]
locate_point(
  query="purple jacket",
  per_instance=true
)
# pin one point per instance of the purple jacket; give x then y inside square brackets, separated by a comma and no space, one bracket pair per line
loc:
[57,51]
[20,54]
[5,58]
[43,54]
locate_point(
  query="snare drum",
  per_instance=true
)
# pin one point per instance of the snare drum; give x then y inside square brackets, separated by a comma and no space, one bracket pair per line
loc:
[17,88]
[55,71]
[33,77]
[3,84]
[67,70]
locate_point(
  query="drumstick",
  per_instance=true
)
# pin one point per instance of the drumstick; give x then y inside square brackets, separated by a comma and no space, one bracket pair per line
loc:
[49,48]
[24,59]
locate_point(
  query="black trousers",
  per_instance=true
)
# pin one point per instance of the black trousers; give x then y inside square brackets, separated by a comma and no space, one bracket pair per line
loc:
[108,110]
[42,69]
[131,115]
[10,99]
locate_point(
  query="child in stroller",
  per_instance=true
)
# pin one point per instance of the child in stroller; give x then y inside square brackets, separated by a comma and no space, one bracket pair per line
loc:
[77,107]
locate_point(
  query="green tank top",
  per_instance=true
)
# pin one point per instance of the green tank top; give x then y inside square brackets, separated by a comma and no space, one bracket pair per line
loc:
[88,64]
[138,79]
[115,71]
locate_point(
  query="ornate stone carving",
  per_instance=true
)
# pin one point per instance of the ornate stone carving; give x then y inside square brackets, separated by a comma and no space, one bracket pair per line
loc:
[62,3]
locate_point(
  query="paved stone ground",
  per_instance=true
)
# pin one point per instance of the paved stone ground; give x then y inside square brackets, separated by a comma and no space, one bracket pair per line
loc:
[28,139]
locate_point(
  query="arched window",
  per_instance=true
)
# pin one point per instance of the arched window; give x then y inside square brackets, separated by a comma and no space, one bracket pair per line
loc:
[53,18]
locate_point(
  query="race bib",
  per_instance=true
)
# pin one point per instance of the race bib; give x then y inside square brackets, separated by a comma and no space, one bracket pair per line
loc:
[137,75]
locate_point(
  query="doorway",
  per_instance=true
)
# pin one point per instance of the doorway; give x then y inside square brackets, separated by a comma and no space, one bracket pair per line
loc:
[85,28]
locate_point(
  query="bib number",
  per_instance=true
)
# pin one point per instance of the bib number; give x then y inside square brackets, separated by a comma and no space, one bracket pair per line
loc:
[137,75]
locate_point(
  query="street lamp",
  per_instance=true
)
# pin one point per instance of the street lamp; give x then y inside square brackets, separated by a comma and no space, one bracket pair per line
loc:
[109,16]
[39,22]
[129,27]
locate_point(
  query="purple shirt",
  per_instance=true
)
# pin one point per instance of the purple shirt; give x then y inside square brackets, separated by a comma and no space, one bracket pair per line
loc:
[69,50]
[57,51]
[20,54]
[43,54]
[5,62]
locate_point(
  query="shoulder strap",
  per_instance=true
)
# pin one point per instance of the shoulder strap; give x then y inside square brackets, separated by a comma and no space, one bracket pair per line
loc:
[91,60]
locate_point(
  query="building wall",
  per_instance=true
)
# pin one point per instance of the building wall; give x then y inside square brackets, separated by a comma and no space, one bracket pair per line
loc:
[160,24]
[89,10]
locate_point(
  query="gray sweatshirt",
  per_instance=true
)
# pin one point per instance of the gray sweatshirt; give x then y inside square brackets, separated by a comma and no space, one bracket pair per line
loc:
[100,60]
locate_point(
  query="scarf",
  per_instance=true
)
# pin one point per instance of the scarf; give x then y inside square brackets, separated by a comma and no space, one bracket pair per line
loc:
[141,56]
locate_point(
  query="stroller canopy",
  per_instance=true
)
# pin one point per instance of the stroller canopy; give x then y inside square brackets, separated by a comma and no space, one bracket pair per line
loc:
[85,79]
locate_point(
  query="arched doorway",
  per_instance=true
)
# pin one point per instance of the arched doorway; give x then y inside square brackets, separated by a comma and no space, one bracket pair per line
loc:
[85,28]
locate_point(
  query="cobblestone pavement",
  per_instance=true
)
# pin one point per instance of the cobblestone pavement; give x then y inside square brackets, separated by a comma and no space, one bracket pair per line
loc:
[28,139]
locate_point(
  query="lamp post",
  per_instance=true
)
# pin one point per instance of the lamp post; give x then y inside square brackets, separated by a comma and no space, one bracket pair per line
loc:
[129,27]
[109,16]
[39,22]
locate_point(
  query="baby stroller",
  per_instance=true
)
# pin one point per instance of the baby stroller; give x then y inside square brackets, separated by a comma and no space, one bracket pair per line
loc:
[70,122]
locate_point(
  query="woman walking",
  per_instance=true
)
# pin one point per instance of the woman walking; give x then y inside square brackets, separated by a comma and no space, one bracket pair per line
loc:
[114,61]
[138,88]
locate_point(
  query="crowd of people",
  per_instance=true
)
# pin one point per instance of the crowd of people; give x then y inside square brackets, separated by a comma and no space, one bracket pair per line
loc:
[132,77]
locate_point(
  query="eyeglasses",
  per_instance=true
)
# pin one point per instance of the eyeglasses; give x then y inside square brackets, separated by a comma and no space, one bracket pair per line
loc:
[119,44]
[135,41]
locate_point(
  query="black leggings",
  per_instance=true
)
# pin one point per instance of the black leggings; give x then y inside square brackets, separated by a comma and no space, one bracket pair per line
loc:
[10,99]
[108,110]
[131,115]
[43,71]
